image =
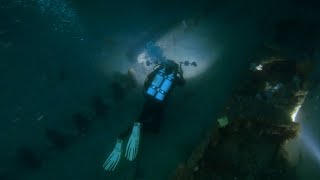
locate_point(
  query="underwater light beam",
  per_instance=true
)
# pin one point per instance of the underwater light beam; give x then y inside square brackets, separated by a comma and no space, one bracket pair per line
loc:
[182,46]
[311,146]
[178,45]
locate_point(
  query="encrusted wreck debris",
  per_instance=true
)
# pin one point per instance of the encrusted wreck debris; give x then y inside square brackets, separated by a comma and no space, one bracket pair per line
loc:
[248,141]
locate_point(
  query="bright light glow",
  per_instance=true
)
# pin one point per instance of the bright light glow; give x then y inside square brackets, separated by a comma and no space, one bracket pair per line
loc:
[192,46]
[141,69]
[259,67]
[295,112]
[297,108]
[142,58]
[181,46]
[256,67]
[178,44]
[307,142]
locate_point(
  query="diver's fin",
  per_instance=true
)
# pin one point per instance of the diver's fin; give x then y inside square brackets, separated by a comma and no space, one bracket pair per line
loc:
[133,143]
[114,158]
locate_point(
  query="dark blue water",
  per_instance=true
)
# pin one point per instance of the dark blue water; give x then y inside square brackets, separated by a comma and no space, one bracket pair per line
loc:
[56,55]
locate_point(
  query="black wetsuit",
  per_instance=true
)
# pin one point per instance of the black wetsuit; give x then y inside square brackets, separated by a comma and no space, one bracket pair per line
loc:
[152,112]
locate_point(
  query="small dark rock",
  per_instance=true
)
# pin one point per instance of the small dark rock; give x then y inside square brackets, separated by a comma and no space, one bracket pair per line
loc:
[81,122]
[57,139]
[27,158]
[99,106]
[118,91]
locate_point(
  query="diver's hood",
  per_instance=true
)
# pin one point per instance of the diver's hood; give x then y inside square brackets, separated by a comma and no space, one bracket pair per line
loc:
[171,66]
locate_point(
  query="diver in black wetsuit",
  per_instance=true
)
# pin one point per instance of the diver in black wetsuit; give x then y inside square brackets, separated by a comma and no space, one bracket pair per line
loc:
[152,112]
[157,88]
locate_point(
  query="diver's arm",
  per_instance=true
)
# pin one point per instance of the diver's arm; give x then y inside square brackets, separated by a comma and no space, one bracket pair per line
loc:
[180,79]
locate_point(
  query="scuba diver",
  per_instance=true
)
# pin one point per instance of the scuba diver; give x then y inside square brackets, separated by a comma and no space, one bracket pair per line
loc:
[157,87]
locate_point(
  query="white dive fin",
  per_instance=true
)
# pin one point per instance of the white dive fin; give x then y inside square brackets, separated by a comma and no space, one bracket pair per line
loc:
[114,158]
[133,143]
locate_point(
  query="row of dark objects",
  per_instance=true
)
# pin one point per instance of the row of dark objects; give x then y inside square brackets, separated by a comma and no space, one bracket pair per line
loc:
[28,158]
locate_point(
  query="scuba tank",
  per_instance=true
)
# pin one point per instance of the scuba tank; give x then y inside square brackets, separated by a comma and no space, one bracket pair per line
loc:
[165,87]
[156,83]
[161,85]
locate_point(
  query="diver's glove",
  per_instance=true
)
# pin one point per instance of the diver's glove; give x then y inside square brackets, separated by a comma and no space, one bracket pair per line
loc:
[133,143]
[113,159]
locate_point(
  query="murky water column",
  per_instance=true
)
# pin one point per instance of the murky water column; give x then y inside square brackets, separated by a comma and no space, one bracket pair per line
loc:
[32,38]
[64,17]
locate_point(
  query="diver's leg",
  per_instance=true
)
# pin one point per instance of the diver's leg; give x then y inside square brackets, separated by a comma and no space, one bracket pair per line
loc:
[125,133]
[157,118]
[145,113]
[151,116]
[144,117]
